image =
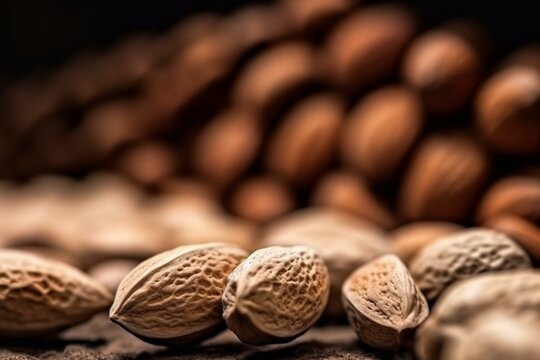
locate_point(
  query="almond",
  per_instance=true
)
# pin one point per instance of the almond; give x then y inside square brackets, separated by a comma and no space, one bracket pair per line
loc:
[515,195]
[276,294]
[42,297]
[382,303]
[462,255]
[409,239]
[524,232]
[313,17]
[174,298]
[381,130]
[443,179]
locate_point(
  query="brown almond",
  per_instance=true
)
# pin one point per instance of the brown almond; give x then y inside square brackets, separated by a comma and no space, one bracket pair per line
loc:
[443,179]
[41,297]
[524,232]
[515,195]
[409,239]
[445,67]
[111,272]
[507,109]
[462,255]
[261,199]
[381,130]
[305,143]
[343,190]
[276,294]
[174,298]
[365,47]
[383,304]
[275,76]
[227,146]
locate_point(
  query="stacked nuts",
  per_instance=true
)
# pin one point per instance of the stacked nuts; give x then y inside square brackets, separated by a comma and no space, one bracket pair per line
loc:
[292,164]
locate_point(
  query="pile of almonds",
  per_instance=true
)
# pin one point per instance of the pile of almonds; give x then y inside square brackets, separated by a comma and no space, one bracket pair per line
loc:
[290,164]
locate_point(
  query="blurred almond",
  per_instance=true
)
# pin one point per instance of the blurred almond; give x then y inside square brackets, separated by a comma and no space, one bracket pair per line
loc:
[524,232]
[445,67]
[515,195]
[346,191]
[507,110]
[409,239]
[305,143]
[274,76]
[111,272]
[381,130]
[227,146]
[261,199]
[443,178]
[366,46]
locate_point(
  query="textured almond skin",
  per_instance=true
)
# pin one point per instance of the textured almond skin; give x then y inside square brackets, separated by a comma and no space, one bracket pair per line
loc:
[444,67]
[515,293]
[409,239]
[443,178]
[174,298]
[40,296]
[524,232]
[306,141]
[515,195]
[507,109]
[462,255]
[344,243]
[382,302]
[365,47]
[381,130]
[276,294]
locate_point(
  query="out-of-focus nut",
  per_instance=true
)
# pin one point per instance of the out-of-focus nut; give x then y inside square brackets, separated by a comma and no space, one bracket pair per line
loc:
[343,190]
[305,143]
[366,46]
[507,110]
[444,178]
[261,199]
[381,130]
[524,232]
[111,272]
[445,67]
[227,146]
[409,239]
[515,195]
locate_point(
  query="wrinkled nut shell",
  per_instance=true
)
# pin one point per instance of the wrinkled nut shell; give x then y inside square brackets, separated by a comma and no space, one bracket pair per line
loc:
[524,232]
[40,296]
[409,239]
[381,131]
[276,294]
[514,195]
[174,298]
[462,255]
[443,178]
[382,303]
[516,293]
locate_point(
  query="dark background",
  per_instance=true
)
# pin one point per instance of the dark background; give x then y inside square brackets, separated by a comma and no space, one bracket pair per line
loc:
[43,33]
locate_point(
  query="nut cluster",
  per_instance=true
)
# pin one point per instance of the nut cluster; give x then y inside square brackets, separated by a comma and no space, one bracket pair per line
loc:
[291,164]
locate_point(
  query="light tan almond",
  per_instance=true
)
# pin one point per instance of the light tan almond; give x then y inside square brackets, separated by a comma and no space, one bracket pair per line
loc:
[41,297]
[174,298]
[276,294]
[462,255]
[524,232]
[383,304]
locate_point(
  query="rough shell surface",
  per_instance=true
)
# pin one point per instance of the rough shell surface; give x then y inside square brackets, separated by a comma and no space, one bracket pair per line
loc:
[276,294]
[40,296]
[382,302]
[462,255]
[516,293]
[343,246]
[175,297]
